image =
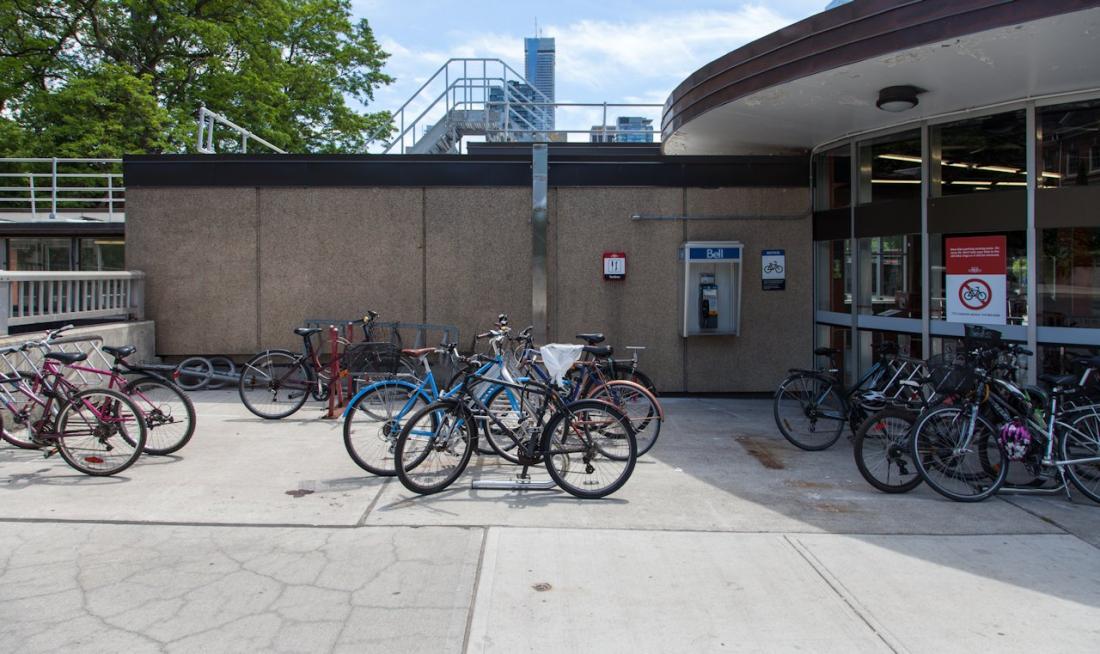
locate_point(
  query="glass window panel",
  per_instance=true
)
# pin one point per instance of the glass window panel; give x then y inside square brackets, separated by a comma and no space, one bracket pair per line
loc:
[1062,359]
[36,254]
[890,276]
[841,339]
[834,278]
[1069,277]
[832,179]
[980,154]
[1070,144]
[889,168]
[102,254]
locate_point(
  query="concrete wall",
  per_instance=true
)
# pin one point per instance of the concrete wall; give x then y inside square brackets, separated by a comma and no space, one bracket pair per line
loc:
[232,270]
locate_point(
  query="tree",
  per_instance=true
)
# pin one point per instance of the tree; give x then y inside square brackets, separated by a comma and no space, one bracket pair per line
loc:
[107,77]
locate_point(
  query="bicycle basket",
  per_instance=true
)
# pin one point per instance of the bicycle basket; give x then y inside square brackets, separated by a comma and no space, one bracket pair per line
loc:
[371,358]
[953,379]
[978,336]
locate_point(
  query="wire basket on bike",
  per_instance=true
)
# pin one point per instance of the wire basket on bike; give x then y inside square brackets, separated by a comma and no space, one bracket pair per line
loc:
[950,376]
[371,359]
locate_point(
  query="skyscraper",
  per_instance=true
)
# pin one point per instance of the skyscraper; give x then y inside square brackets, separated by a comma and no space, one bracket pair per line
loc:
[538,67]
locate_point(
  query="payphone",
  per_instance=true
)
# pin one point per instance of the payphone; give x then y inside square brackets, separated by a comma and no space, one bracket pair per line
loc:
[708,302]
[711,288]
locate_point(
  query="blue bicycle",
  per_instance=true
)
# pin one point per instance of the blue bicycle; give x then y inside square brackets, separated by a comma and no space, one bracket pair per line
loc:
[374,416]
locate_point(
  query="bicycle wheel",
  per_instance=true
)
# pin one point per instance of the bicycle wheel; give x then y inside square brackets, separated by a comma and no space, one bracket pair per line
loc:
[100,432]
[626,372]
[434,447]
[638,405]
[18,426]
[809,412]
[373,421]
[964,474]
[1084,443]
[505,406]
[589,449]
[168,412]
[274,384]
[881,449]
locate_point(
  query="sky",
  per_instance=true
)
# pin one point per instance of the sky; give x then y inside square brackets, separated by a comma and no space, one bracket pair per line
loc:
[610,51]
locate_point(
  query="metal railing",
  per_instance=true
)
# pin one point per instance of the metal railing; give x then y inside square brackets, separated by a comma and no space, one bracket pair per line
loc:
[28,298]
[208,120]
[486,97]
[56,187]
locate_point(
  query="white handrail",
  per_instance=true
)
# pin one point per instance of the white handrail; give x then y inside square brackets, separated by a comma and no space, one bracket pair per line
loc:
[105,193]
[34,297]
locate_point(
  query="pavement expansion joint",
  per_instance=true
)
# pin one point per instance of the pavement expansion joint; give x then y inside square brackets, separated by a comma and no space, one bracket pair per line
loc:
[846,596]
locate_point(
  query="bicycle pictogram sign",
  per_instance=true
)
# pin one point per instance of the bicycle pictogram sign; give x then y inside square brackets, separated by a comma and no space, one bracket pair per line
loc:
[975,294]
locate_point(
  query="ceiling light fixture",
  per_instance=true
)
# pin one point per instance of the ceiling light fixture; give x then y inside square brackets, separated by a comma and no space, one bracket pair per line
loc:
[898,98]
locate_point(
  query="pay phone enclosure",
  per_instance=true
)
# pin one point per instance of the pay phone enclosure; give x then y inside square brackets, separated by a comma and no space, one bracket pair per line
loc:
[712,288]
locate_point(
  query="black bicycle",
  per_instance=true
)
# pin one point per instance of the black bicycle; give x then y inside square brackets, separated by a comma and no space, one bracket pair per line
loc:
[587,446]
[811,407]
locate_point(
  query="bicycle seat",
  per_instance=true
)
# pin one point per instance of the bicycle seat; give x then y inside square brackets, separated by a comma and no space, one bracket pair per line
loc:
[1059,380]
[591,339]
[119,352]
[599,351]
[306,331]
[826,351]
[66,357]
[418,352]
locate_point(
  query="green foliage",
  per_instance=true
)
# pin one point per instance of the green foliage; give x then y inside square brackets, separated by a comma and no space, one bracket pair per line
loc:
[106,77]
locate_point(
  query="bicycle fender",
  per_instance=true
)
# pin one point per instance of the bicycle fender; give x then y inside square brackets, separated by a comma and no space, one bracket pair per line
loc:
[378,384]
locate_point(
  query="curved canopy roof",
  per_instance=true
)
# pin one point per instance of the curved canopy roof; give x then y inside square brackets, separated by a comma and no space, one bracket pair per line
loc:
[817,80]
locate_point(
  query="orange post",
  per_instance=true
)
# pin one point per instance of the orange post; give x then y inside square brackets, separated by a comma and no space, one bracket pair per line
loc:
[334,372]
[351,379]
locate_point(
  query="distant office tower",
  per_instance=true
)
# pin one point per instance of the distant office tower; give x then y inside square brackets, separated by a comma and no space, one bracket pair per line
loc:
[539,70]
[524,122]
[627,129]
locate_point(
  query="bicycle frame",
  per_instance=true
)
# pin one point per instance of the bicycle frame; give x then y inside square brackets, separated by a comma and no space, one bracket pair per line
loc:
[59,389]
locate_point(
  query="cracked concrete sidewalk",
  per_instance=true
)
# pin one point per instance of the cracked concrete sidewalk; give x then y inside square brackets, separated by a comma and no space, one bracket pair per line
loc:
[264,536]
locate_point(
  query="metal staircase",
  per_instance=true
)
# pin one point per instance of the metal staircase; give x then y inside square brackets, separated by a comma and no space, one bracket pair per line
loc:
[476,97]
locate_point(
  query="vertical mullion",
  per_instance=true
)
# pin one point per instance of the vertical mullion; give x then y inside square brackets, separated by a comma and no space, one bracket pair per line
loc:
[853,247]
[1032,253]
[925,243]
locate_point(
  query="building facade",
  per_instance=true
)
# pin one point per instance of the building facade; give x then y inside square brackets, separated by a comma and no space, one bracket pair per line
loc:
[538,68]
[932,126]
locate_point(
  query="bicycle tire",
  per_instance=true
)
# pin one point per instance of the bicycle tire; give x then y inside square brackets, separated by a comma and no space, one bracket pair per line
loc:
[890,428]
[21,435]
[556,451]
[929,450]
[638,405]
[1084,476]
[77,411]
[372,424]
[410,462]
[161,413]
[259,378]
[507,413]
[627,372]
[810,386]
[193,373]
[220,366]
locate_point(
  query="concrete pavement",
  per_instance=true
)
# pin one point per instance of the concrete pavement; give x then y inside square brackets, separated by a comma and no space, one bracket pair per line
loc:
[263,536]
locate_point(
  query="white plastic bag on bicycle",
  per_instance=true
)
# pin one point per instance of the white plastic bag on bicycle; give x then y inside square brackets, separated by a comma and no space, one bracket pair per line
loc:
[559,358]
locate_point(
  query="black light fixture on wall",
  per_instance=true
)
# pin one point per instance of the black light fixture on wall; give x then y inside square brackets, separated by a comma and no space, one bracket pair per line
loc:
[898,98]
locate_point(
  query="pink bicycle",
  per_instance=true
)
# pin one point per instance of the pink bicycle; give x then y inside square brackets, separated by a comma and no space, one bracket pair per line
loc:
[167,412]
[98,431]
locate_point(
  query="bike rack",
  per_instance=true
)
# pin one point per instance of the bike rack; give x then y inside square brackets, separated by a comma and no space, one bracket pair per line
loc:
[517,484]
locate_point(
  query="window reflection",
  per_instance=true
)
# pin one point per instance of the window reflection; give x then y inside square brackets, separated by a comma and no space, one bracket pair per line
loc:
[834,278]
[1070,145]
[832,179]
[889,168]
[980,155]
[1069,277]
[890,275]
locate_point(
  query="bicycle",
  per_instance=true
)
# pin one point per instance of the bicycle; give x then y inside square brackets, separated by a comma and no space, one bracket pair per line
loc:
[806,398]
[975,292]
[773,268]
[375,415]
[622,369]
[168,413]
[588,380]
[587,446]
[97,431]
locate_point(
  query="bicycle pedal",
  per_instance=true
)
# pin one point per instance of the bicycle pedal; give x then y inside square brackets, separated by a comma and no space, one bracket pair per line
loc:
[48,452]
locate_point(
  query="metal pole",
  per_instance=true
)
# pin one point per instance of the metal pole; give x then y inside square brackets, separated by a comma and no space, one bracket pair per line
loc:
[34,200]
[539,182]
[53,196]
[110,197]
[1032,244]
[925,247]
